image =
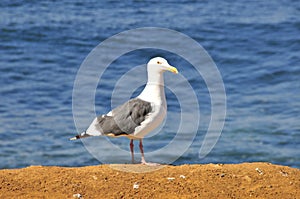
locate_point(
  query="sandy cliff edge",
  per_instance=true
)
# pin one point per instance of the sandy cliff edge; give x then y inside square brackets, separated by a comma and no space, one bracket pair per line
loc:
[246,180]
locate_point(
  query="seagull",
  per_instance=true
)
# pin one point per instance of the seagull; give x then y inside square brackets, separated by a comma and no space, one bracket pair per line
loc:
[139,116]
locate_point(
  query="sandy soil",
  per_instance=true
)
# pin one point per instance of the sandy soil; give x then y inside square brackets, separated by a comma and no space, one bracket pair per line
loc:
[247,180]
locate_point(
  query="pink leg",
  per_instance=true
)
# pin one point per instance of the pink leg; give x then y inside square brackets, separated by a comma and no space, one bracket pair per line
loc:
[143,161]
[142,152]
[131,150]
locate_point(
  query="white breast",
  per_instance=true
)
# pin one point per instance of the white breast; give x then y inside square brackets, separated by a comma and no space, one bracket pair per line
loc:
[155,94]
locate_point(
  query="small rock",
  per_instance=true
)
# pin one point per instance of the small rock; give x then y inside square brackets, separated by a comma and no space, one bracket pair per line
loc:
[77,195]
[136,185]
[259,171]
[182,176]
[95,177]
[283,173]
[170,178]
[222,175]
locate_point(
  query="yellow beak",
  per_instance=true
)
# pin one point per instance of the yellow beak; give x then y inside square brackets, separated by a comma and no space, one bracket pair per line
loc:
[173,69]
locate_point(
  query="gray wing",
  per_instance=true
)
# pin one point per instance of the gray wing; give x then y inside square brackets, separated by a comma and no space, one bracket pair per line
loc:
[125,118]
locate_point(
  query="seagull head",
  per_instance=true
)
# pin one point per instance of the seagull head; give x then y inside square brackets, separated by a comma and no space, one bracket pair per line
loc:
[160,64]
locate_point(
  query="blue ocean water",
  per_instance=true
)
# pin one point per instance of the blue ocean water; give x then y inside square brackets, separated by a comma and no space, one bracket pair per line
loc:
[255,45]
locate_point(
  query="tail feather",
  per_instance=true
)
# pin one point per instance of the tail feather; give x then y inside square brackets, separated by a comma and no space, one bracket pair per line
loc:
[75,138]
[82,135]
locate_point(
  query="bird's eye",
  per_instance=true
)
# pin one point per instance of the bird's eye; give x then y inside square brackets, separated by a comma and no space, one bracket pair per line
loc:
[158,62]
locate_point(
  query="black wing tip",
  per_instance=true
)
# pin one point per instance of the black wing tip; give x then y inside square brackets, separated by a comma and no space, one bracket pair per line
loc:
[75,138]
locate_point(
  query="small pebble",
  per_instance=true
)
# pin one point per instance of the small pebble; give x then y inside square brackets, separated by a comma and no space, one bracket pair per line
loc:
[182,176]
[283,173]
[77,195]
[136,185]
[259,171]
[171,178]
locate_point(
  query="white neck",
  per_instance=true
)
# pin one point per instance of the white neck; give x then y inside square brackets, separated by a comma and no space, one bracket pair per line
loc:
[154,89]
